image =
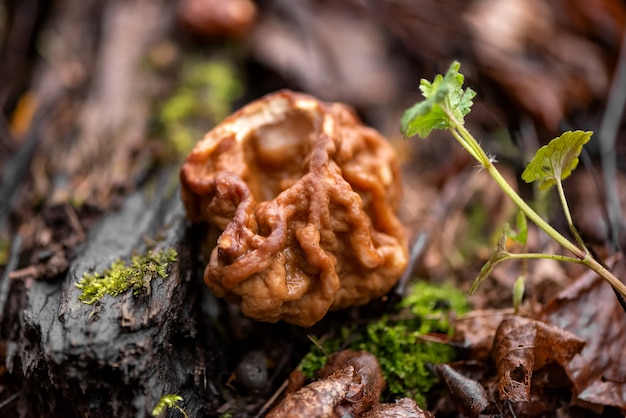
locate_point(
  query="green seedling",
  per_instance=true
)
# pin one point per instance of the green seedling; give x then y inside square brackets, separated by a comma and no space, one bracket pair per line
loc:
[445,105]
[169,401]
[121,276]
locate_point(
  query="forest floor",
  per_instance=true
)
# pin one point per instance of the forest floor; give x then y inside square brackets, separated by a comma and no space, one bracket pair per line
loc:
[102,101]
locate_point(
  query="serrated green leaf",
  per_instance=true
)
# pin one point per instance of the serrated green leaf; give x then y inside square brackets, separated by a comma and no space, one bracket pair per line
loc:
[443,98]
[556,161]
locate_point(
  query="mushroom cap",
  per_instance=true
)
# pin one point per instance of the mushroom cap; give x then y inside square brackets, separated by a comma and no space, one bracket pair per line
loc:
[304,196]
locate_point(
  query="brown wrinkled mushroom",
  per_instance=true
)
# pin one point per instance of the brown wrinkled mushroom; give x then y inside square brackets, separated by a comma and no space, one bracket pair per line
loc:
[304,195]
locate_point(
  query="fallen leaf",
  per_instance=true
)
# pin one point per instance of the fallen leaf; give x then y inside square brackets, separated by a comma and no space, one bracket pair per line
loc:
[524,345]
[590,310]
[351,382]
[475,330]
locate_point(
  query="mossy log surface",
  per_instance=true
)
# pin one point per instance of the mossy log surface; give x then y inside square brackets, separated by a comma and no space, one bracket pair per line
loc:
[120,355]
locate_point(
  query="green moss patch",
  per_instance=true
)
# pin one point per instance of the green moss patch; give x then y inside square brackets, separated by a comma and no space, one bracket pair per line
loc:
[399,341]
[122,276]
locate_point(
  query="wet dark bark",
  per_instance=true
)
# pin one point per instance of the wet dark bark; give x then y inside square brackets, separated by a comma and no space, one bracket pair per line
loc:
[88,140]
[118,356]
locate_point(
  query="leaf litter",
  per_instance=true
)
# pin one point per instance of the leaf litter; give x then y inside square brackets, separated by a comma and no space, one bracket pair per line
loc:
[585,309]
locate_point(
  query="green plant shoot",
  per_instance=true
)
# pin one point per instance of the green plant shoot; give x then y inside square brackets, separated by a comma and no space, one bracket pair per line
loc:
[445,106]
[444,96]
[518,293]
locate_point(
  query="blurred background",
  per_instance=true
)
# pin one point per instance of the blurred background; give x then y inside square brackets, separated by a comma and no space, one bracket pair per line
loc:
[95,96]
[98,96]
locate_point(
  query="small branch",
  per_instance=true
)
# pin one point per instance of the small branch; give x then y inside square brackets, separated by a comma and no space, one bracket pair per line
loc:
[608,133]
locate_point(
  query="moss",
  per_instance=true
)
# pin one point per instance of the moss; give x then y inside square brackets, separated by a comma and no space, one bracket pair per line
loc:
[398,341]
[169,401]
[319,353]
[121,276]
[203,97]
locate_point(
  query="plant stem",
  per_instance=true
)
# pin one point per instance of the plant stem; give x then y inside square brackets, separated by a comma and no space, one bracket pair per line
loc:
[506,187]
[556,257]
[568,217]
[471,145]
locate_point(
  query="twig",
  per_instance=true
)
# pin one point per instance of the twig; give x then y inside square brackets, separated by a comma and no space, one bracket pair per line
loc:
[272,399]
[416,252]
[75,222]
[10,399]
[30,271]
[608,133]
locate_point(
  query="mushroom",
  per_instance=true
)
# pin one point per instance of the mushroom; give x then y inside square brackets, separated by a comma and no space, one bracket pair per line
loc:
[304,196]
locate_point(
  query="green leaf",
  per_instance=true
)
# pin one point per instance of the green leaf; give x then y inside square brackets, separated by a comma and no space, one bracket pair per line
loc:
[496,258]
[444,99]
[521,235]
[555,162]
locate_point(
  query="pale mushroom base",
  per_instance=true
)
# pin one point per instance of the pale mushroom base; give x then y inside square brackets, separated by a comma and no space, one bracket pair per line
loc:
[305,196]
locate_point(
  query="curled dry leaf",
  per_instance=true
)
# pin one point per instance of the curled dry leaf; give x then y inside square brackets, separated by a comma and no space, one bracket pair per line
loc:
[305,196]
[348,390]
[523,345]
[590,310]
[475,330]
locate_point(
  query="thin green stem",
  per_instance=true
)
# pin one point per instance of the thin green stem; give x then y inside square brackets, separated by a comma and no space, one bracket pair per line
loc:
[534,256]
[568,217]
[182,411]
[465,144]
[524,207]
[468,142]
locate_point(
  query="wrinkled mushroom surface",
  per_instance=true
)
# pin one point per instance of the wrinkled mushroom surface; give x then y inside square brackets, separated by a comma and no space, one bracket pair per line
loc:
[304,197]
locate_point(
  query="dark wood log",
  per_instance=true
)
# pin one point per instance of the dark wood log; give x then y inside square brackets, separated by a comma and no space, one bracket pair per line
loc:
[120,355]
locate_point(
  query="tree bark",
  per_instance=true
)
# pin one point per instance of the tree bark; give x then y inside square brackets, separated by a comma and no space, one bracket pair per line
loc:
[120,355]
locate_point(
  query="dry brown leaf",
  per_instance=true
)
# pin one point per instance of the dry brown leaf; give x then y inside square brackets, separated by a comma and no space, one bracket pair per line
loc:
[590,310]
[467,393]
[351,383]
[522,346]
[475,330]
